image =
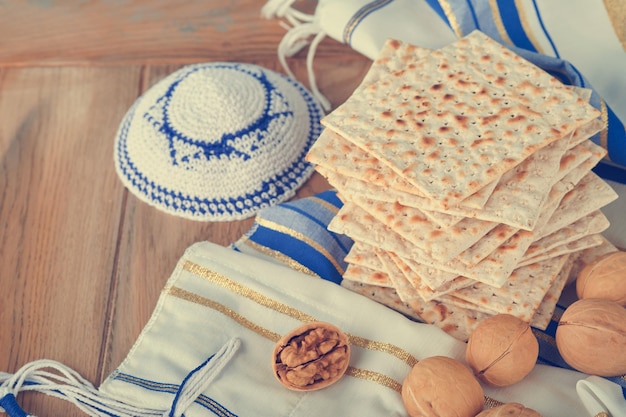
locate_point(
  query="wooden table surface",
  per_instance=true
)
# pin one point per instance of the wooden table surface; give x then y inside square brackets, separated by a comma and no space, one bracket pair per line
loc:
[82,260]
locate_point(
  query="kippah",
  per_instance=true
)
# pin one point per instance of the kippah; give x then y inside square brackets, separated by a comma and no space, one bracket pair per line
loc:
[218,141]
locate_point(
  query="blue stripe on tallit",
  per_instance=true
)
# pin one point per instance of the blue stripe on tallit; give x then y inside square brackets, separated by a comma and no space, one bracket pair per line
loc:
[513,25]
[299,251]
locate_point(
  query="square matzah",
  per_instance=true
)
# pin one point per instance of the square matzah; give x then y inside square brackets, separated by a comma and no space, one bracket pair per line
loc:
[450,136]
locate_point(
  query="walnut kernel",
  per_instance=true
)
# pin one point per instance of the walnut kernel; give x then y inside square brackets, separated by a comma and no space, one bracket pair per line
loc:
[311,357]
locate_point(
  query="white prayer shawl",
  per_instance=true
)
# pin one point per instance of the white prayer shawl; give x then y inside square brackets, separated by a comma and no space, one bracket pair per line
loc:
[207,349]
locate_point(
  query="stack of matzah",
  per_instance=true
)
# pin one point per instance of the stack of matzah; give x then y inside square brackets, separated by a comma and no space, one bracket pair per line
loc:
[467,183]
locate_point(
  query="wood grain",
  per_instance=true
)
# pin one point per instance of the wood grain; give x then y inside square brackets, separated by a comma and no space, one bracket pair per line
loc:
[82,260]
[76,32]
[60,211]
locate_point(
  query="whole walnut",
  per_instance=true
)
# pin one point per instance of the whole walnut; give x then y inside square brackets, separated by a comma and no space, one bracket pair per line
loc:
[509,410]
[440,386]
[604,278]
[502,350]
[311,357]
[591,337]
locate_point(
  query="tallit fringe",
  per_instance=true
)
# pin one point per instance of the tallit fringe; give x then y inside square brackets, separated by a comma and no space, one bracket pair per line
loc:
[302,31]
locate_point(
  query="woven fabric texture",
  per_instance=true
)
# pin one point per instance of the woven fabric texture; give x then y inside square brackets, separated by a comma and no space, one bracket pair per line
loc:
[218,141]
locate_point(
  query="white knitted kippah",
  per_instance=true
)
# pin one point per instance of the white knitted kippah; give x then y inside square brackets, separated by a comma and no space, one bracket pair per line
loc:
[218,141]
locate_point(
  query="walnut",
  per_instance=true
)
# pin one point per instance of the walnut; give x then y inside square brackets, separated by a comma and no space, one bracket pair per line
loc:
[311,357]
[591,337]
[502,350]
[604,278]
[441,386]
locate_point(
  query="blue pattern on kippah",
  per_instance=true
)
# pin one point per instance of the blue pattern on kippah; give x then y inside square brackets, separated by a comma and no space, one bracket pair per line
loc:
[211,150]
[195,206]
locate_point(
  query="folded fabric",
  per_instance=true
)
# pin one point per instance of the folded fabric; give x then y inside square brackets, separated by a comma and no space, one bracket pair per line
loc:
[207,349]
[554,35]
[601,396]
[216,295]
[295,233]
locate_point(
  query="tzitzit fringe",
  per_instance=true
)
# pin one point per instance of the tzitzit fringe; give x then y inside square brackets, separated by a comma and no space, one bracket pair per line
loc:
[300,28]
[57,380]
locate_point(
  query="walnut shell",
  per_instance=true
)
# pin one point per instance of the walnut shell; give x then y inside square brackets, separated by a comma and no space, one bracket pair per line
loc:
[591,337]
[311,357]
[509,410]
[502,350]
[604,278]
[441,386]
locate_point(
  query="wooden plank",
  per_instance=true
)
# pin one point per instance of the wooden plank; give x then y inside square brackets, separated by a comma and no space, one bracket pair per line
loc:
[60,207]
[70,32]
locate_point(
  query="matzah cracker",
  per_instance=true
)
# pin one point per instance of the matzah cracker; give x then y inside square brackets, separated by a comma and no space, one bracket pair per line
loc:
[367,275]
[572,158]
[396,121]
[443,220]
[560,189]
[434,278]
[586,131]
[451,300]
[489,243]
[339,155]
[593,223]
[564,106]
[386,296]
[407,292]
[336,154]
[508,204]
[432,281]
[544,312]
[351,187]
[577,245]
[457,321]
[410,223]
[427,293]
[362,254]
[522,293]
[518,197]
[493,270]
[590,194]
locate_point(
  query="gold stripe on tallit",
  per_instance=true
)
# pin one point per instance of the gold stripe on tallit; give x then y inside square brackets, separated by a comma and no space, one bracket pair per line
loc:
[526,26]
[497,20]
[328,206]
[281,257]
[616,9]
[383,347]
[454,24]
[246,292]
[372,376]
[297,235]
[259,298]
[491,403]
[294,313]
[365,374]
[241,320]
